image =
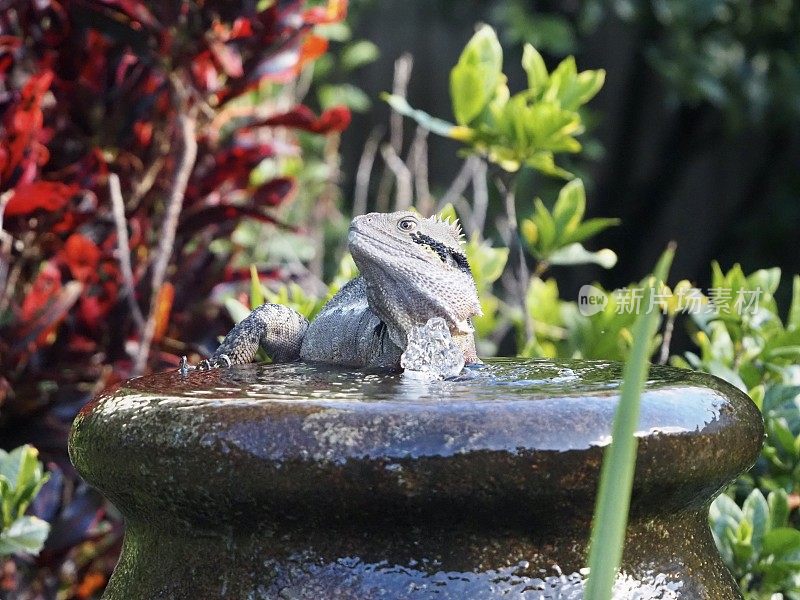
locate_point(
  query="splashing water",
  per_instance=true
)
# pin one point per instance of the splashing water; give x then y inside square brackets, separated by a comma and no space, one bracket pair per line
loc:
[431,352]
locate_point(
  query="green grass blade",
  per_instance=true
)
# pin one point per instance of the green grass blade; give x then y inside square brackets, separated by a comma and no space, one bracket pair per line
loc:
[256,291]
[616,475]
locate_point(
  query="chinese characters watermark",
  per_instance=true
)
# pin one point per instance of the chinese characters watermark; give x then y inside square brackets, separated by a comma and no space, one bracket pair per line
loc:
[689,300]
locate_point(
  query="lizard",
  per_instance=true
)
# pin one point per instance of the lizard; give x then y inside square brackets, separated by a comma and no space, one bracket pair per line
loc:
[411,269]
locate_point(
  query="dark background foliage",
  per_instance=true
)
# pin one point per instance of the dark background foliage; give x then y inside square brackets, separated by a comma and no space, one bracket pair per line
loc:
[695,131]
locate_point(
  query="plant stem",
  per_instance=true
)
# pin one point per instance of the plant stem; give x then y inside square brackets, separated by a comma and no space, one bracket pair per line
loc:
[186,160]
[123,247]
[669,327]
[506,183]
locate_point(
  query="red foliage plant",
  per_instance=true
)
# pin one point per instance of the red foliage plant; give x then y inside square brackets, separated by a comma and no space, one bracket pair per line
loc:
[160,97]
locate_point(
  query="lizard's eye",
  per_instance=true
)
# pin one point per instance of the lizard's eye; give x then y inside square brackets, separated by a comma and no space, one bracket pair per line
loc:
[407,225]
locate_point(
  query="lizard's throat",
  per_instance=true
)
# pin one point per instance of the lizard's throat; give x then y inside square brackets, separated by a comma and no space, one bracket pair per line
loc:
[401,305]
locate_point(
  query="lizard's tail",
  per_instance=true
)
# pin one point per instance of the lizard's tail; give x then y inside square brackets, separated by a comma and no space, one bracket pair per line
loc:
[276,328]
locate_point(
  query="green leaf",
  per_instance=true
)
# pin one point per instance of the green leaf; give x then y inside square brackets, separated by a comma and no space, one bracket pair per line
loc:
[569,207]
[26,534]
[793,321]
[487,263]
[256,289]
[576,254]
[536,70]
[432,124]
[724,506]
[238,311]
[589,228]
[778,503]
[546,228]
[544,162]
[619,460]
[358,54]
[343,94]
[781,541]
[586,86]
[476,76]
[756,510]
[11,464]
[767,280]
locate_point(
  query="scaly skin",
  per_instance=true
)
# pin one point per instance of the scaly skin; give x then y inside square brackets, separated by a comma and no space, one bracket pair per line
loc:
[412,269]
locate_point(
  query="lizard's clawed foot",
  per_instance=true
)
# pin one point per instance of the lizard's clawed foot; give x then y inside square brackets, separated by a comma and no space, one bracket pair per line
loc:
[215,362]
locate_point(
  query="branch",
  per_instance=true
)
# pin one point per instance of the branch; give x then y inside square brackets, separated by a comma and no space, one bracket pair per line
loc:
[669,327]
[123,247]
[405,196]
[364,172]
[146,183]
[417,163]
[186,160]
[458,186]
[402,75]
[505,183]
[480,196]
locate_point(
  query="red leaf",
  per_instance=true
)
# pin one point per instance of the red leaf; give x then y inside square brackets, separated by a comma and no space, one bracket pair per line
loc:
[143,132]
[241,28]
[133,9]
[204,71]
[301,117]
[40,330]
[273,192]
[45,286]
[23,124]
[336,118]
[82,257]
[232,165]
[221,214]
[35,88]
[46,195]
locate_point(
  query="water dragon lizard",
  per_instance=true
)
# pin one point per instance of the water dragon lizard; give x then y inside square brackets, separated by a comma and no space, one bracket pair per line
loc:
[411,268]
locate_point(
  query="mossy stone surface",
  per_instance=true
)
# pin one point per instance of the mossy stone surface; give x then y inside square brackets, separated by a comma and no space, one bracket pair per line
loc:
[304,481]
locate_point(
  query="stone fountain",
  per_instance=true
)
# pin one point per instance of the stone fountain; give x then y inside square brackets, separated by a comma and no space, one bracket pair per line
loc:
[301,481]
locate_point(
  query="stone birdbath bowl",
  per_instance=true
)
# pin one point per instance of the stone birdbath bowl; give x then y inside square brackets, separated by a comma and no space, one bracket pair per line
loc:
[301,481]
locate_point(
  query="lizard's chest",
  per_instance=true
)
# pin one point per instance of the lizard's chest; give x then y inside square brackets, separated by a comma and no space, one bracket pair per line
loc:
[347,332]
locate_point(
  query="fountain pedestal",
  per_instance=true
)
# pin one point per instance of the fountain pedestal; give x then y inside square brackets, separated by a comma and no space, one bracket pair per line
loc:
[299,481]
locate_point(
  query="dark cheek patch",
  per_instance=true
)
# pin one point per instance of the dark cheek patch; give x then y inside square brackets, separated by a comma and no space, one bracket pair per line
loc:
[445,253]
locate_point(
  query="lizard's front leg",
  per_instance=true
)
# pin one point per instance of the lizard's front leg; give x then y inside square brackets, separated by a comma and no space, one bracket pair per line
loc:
[276,328]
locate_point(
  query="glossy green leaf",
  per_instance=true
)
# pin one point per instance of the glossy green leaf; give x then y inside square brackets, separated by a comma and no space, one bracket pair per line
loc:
[432,124]
[256,289]
[576,254]
[535,69]
[589,228]
[343,94]
[476,76]
[619,460]
[26,534]
[778,503]
[756,511]
[359,54]
[793,321]
[570,207]
[781,541]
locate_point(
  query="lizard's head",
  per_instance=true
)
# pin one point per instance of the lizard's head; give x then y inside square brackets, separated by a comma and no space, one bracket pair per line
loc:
[415,269]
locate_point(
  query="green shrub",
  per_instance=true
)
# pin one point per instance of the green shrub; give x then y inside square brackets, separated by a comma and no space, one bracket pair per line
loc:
[21,478]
